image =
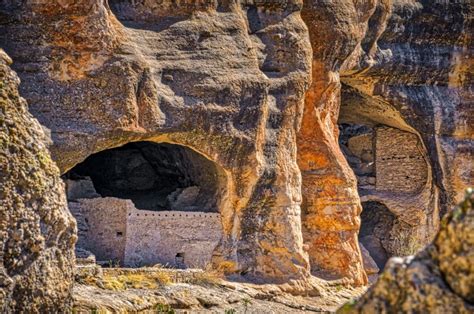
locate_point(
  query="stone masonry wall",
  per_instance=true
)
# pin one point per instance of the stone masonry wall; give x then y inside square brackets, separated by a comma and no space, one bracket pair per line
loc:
[157,237]
[102,226]
[400,164]
[115,230]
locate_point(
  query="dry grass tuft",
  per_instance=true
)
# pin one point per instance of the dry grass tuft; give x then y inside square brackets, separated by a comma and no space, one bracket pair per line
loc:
[152,280]
[226,267]
[118,279]
[207,277]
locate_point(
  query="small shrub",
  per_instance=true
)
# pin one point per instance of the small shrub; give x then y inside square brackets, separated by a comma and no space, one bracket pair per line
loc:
[246,303]
[164,309]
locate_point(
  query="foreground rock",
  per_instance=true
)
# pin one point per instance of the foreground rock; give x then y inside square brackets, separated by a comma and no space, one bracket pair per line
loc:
[37,233]
[440,279]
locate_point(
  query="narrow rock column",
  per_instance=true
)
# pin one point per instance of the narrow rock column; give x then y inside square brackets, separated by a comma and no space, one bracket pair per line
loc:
[331,204]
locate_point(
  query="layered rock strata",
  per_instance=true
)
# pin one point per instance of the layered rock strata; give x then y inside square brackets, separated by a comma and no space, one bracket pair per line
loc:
[415,75]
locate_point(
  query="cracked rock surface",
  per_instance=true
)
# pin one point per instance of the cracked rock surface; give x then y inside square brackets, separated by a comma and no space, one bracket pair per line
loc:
[37,232]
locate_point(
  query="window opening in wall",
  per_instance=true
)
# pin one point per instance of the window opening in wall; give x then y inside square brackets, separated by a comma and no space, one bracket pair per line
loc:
[179,260]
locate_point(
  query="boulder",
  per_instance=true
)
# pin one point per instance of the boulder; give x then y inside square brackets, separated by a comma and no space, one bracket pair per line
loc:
[37,232]
[437,280]
[370,266]
[81,188]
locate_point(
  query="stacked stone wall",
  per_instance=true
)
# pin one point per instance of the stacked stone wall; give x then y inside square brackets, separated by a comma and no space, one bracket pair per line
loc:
[173,238]
[400,164]
[102,226]
[116,231]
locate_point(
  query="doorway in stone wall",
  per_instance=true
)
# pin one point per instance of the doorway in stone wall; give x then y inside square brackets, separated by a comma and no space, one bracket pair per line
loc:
[376,224]
[148,203]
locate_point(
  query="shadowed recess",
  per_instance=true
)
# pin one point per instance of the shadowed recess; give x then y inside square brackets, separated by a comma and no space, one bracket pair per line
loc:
[377,222]
[154,176]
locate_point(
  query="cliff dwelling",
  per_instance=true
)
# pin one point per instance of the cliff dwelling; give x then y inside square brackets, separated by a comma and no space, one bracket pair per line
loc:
[392,174]
[146,203]
[266,138]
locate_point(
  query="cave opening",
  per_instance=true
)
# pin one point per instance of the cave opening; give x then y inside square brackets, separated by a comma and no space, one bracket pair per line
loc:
[147,203]
[376,224]
[389,162]
[153,176]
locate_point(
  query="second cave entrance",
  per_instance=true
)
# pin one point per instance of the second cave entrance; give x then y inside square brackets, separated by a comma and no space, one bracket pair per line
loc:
[375,231]
[154,176]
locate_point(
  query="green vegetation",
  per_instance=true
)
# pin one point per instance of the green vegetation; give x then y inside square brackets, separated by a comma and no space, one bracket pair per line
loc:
[164,309]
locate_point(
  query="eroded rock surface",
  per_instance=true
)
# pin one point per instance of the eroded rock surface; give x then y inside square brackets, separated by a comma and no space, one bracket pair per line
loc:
[412,72]
[405,70]
[439,279]
[224,78]
[167,290]
[37,232]
[231,80]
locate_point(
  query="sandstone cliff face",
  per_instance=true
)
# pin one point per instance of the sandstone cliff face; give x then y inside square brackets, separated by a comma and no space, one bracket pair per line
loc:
[37,232]
[231,80]
[439,279]
[225,78]
[421,66]
[404,65]
[414,76]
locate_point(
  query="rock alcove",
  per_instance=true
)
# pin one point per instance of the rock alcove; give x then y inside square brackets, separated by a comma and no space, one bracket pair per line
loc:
[146,203]
[393,176]
[154,176]
[377,223]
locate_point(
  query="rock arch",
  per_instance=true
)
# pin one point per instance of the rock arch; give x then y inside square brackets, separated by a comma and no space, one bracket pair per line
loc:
[155,177]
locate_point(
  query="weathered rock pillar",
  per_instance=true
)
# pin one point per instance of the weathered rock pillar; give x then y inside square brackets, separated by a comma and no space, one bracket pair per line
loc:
[331,205]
